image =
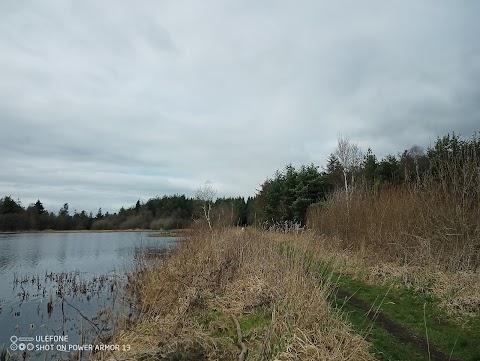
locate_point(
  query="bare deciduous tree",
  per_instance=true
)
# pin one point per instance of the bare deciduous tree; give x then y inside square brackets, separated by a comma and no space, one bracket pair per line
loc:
[206,194]
[416,152]
[355,160]
[350,157]
[343,155]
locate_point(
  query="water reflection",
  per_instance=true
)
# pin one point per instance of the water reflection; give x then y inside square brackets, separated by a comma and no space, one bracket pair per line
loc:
[34,256]
[62,251]
[6,255]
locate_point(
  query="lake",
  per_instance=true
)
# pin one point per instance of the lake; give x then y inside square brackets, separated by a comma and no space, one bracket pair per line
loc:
[59,290]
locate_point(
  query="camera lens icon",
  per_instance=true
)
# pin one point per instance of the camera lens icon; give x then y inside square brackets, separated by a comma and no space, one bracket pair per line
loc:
[13,340]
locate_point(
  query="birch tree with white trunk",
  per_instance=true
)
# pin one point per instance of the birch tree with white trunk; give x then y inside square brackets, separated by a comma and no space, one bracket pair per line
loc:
[350,158]
[207,194]
[416,152]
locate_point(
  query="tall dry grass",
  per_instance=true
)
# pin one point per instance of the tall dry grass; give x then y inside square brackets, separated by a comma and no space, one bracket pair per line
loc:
[427,226]
[235,273]
[436,221]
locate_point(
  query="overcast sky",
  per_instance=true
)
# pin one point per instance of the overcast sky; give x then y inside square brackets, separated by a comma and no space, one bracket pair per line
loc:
[106,102]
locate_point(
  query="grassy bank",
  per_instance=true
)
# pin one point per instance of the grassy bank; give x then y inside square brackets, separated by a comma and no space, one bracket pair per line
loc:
[414,313]
[233,295]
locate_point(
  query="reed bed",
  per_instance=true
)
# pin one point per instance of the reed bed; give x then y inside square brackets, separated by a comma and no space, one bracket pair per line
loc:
[412,227]
[190,302]
[426,239]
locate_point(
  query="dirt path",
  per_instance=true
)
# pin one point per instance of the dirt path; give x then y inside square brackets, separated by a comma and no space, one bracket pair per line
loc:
[400,332]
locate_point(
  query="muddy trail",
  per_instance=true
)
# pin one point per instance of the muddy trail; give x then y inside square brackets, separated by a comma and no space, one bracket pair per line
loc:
[400,332]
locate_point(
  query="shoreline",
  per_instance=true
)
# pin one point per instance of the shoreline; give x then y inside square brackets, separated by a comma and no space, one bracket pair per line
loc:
[159,232]
[82,231]
[228,292]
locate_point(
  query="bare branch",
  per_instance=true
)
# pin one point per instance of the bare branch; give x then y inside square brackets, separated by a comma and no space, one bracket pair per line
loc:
[207,194]
[350,157]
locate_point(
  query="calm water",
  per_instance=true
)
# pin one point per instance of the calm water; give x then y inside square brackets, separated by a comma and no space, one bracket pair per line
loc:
[57,283]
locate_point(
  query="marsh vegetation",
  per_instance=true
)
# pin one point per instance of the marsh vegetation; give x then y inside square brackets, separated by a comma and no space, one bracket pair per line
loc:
[364,260]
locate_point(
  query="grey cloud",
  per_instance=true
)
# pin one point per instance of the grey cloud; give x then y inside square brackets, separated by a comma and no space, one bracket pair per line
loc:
[102,103]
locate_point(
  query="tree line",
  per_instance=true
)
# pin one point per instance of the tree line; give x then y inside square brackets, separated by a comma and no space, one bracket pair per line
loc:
[450,166]
[159,213]
[285,197]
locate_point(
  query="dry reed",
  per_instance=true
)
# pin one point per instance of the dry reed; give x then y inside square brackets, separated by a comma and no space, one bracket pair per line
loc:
[424,239]
[408,226]
[224,273]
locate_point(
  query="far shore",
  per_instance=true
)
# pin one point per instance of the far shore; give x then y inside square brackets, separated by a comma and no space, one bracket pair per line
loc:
[158,233]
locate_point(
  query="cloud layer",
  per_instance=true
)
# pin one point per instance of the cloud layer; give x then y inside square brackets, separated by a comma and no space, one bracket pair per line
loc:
[102,103]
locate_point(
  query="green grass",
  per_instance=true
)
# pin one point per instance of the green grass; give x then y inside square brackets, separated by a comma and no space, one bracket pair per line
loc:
[406,307]
[252,323]
[413,310]
[206,318]
[384,345]
[254,326]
